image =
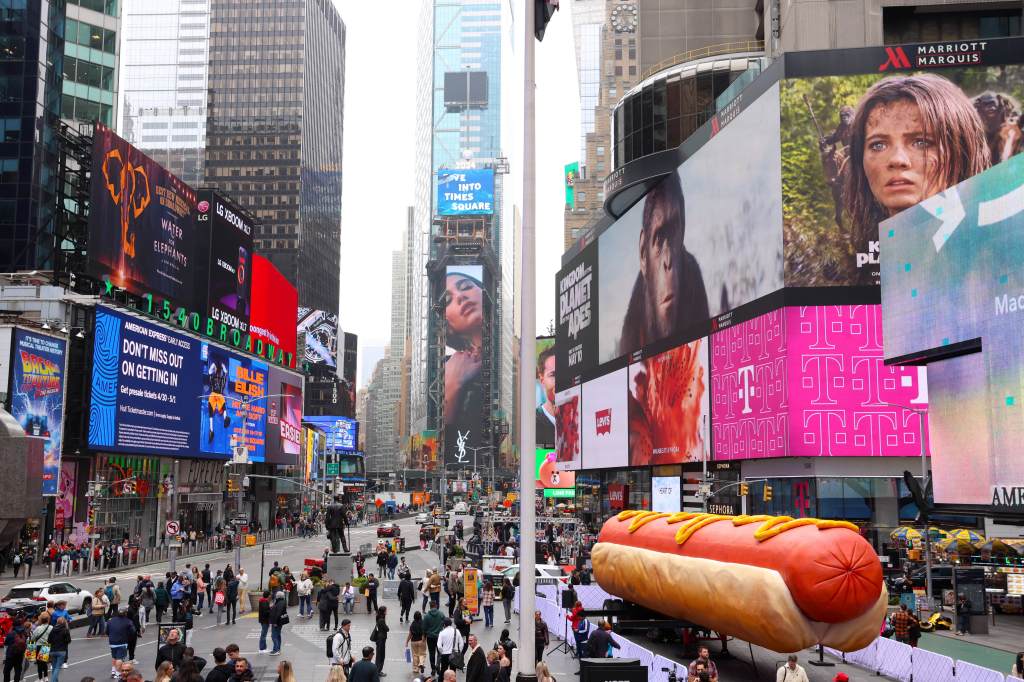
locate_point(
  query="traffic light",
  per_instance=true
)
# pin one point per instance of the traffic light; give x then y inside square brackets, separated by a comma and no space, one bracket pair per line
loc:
[744,489]
[767,493]
[232,485]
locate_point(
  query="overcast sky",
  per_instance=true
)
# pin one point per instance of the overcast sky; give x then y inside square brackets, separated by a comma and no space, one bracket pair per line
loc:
[379,148]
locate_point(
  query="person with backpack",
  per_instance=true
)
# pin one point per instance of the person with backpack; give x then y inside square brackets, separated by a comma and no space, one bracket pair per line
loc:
[37,648]
[113,592]
[14,649]
[339,646]
[16,564]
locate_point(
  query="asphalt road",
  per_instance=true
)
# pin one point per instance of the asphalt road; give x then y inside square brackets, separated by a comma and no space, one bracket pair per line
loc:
[303,643]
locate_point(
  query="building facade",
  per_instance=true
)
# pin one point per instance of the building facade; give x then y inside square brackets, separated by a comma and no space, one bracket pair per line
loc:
[274,127]
[163,78]
[458,128]
[30,108]
[606,39]
[92,36]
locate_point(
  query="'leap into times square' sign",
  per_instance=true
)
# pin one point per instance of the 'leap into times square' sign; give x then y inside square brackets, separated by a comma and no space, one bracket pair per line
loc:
[465,192]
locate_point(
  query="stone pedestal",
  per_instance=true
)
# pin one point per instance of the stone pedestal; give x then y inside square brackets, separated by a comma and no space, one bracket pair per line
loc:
[339,567]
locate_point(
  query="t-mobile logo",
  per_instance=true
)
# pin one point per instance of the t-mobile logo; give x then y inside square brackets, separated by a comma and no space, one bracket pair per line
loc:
[746,392]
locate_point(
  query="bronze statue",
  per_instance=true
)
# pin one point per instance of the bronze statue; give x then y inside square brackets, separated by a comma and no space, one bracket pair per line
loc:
[336,521]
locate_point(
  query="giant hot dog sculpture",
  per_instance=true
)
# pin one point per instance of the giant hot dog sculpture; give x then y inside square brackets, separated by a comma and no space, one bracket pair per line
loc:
[782,583]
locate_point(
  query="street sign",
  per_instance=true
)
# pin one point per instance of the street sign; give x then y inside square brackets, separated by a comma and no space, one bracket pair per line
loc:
[442,516]
[172,528]
[332,468]
[240,521]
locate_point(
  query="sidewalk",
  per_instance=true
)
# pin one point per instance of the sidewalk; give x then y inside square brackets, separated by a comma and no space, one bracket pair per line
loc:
[996,650]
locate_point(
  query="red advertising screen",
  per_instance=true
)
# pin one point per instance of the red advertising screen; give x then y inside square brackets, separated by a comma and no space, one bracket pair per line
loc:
[275,307]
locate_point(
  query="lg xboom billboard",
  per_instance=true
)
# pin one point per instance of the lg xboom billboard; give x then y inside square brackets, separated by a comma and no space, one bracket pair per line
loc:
[142,230]
[230,268]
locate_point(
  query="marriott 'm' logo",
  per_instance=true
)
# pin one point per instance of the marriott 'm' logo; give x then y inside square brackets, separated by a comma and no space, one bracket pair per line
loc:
[895,58]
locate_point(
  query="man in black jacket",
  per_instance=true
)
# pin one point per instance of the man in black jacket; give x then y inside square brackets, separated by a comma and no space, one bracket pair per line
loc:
[365,670]
[599,641]
[476,664]
[406,595]
[231,601]
[172,651]
[208,580]
[222,670]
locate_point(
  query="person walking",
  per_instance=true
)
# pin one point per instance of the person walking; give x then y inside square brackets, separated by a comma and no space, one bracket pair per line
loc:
[507,593]
[379,637]
[14,649]
[243,593]
[433,624]
[133,616]
[231,600]
[304,588]
[327,603]
[39,644]
[487,603]
[448,644]
[365,670]
[371,594]
[476,663]
[416,641]
[424,588]
[278,619]
[113,592]
[392,565]
[263,613]
[541,637]
[161,600]
[208,582]
[341,647]
[406,594]
[120,630]
[463,618]
[98,613]
[435,589]
[963,615]
[901,624]
[791,672]
[220,597]
[59,640]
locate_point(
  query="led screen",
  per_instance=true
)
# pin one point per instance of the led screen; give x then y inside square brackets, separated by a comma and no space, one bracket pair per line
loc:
[951,278]
[839,133]
[812,382]
[275,303]
[142,229]
[700,243]
[465,192]
[37,396]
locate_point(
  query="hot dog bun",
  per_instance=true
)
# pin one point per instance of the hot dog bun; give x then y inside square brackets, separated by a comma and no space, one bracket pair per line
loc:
[774,581]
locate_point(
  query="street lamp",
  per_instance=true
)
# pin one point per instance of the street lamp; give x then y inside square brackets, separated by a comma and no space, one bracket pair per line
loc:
[921,412]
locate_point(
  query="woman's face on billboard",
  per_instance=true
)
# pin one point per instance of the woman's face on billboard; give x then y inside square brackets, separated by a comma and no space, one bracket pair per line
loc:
[900,156]
[463,306]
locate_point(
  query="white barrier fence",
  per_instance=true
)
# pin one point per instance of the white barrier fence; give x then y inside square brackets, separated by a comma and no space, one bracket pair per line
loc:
[883,656]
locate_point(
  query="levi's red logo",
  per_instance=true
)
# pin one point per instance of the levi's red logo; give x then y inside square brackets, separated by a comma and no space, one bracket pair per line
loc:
[895,58]
[603,419]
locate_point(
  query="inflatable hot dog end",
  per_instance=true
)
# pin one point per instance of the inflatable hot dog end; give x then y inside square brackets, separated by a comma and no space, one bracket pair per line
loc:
[782,583]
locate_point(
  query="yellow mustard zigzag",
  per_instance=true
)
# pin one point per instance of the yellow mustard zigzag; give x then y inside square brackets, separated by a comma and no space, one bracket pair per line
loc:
[769,528]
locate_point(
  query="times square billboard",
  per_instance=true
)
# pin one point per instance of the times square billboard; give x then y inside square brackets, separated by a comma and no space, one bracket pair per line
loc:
[154,390]
[757,264]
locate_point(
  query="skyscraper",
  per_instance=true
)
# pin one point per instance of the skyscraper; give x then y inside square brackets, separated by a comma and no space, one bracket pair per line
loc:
[92,36]
[458,122]
[32,35]
[163,77]
[605,34]
[274,131]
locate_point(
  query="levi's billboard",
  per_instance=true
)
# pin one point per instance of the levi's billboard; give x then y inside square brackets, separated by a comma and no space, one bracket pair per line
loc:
[275,306]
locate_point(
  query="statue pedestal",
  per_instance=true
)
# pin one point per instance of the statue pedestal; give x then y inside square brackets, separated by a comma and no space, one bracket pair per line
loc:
[339,567]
